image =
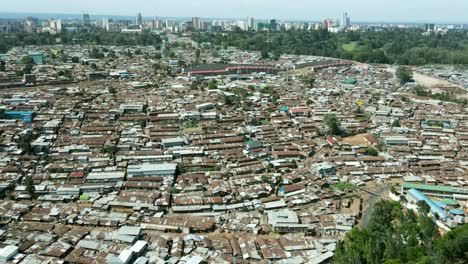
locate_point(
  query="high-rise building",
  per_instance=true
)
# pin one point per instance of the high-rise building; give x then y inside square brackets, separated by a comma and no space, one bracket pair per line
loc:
[345,21]
[105,24]
[55,26]
[86,20]
[31,24]
[273,25]
[139,19]
[170,23]
[157,23]
[327,24]
[196,23]
[250,23]
[429,27]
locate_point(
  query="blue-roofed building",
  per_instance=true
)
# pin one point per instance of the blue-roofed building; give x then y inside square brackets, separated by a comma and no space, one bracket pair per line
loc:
[26,116]
[414,196]
[457,212]
[440,204]
[38,58]
[284,109]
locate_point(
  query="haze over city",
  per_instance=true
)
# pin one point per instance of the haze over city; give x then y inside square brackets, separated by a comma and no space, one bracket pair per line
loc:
[247,132]
[450,11]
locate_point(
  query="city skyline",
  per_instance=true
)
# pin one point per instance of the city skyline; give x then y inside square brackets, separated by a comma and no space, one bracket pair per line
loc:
[362,11]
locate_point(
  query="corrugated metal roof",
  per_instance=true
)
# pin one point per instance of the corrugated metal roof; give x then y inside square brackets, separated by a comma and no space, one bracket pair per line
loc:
[434,207]
[434,188]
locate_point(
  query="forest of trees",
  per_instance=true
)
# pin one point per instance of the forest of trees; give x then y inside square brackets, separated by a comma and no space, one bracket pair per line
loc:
[393,46]
[395,235]
[98,37]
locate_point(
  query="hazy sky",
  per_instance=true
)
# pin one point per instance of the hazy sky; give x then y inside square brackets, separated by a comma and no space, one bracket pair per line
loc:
[359,10]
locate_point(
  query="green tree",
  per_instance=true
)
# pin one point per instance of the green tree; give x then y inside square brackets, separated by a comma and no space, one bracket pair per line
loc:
[2,65]
[423,207]
[453,246]
[265,179]
[372,151]
[26,60]
[197,56]
[24,143]
[173,190]
[29,184]
[309,81]
[331,121]
[396,123]
[404,74]
[110,150]
[212,85]
[112,90]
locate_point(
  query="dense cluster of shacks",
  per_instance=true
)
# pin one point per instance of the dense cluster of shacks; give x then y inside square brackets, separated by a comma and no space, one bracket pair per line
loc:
[139,166]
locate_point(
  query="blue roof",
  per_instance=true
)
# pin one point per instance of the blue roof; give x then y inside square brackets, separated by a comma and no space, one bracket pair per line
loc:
[284,108]
[434,207]
[457,212]
[440,204]
[18,113]
[26,116]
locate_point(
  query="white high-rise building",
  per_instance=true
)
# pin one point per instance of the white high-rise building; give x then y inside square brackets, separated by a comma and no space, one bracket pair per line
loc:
[105,24]
[139,19]
[345,21]
[242,25]
[55,26]
[156,23]
[250,23]
[196,23]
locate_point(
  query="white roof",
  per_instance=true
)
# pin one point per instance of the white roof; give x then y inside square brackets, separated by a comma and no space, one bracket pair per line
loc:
[152,167]
[138,246]
[8,251]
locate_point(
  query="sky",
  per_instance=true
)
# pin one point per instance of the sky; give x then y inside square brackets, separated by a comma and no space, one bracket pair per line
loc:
[436,11]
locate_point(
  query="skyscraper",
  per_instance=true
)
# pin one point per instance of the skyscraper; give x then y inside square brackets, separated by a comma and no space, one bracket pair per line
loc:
[86,20]
[250,23]
[196,23]
[273,25]
[105,24]
[139,19]
[345,21]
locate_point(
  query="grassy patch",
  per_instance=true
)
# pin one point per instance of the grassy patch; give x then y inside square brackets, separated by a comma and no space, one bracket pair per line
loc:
[350,47]
[344,186]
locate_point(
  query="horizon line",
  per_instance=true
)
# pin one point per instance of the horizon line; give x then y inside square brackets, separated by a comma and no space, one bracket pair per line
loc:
[227,18]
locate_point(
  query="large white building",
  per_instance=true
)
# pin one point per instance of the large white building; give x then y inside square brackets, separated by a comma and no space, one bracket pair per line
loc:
[163,169]
[345,21]
[250,23]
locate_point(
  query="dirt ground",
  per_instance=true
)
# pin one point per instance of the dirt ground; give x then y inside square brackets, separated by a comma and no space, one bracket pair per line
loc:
[356,140]
[433,82]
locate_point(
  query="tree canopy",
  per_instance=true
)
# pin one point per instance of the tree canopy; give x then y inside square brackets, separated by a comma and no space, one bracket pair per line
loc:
[404,74]
[393,46]
[95,37]
[394,235]
[331,121]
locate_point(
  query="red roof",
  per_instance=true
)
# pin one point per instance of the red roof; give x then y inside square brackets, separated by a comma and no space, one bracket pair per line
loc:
[77,174]
[370,139]
[299,110]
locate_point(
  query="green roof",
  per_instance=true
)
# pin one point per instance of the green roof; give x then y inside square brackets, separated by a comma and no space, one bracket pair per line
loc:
[84,197]
[449,202]
[434,188]
[254,144]
[350,81]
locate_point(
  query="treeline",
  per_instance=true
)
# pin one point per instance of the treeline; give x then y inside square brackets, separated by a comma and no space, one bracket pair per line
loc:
[395,236]
[97,37]
[400,46]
